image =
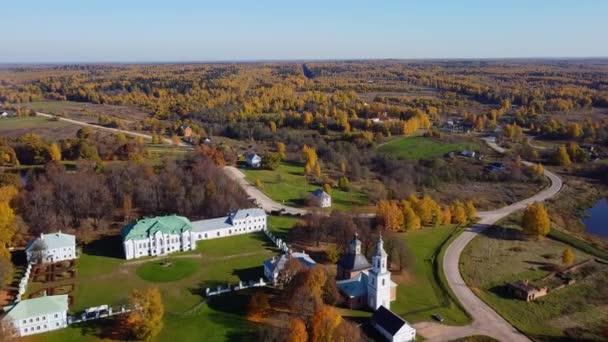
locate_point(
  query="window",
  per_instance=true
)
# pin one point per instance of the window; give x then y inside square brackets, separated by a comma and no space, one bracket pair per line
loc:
[24,321]
[382,282]
[56,315]
[25,330]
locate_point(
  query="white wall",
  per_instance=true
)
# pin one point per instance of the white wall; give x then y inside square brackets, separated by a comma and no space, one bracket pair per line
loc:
[40,324]
[56,254]
[163,244]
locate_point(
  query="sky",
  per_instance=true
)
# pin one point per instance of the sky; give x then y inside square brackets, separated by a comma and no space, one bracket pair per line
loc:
[62,31]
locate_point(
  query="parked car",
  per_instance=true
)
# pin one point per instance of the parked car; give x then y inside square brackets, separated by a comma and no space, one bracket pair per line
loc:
[437,317]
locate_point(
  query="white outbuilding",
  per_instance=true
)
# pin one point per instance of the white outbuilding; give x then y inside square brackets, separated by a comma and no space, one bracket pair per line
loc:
[37,315]
[54,247]
[392,327]
[320,198]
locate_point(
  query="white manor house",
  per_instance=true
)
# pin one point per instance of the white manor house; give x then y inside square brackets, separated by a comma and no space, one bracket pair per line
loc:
[169,234]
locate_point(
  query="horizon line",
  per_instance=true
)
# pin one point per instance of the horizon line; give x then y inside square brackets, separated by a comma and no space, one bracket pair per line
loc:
[287,60]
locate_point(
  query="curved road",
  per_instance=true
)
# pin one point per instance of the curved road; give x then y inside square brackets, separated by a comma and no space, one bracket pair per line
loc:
[485,320]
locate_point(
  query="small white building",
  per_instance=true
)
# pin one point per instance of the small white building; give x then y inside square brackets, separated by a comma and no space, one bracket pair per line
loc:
[169,234]
[468,153]
[253,160]
[272,267]
[4,115]
[57,247]
[392,327]
[37,315]
[320,198]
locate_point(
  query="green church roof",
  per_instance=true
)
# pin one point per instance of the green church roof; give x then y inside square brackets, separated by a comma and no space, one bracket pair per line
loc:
[142,229]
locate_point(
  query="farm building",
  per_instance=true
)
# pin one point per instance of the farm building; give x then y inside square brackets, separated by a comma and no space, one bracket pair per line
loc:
[320,198]
[37,315]
[392,327]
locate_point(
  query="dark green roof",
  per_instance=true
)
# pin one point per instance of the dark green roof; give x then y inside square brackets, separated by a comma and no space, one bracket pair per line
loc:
[171,224]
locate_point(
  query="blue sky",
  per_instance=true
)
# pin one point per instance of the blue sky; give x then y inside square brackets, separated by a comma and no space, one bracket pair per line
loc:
[180,30]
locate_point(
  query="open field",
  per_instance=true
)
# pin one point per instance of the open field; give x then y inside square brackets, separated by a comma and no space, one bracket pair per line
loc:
[88,112]
[287,185]
[421,147]
[103,277]
[47,129]
[499,256]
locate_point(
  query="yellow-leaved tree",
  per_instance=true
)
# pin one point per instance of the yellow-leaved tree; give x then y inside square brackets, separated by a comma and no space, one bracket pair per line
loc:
[297,331]
[459,214]
[324,323]
[568,257]
[54,152]
[146,318]
[470,210]
[535,221]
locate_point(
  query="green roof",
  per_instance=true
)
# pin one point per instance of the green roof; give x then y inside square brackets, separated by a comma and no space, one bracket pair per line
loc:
[142,229]
[37,306]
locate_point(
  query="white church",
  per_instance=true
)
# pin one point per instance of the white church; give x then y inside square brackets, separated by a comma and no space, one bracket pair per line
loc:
[169,234]
[362,284]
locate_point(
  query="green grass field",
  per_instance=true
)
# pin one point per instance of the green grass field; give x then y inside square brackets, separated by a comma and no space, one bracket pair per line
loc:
[422,147]
[103,277]
[167,270]
[419,295]
[287,185]
[497,257]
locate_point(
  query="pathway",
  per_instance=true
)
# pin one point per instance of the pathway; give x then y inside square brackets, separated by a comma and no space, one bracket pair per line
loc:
[485,320]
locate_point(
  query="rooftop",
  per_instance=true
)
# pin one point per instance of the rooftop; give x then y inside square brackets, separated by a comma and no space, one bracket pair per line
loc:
[279,263]
[37,307]
[320,193]
[388,320]
[171,224]
[354,287]
[55,240]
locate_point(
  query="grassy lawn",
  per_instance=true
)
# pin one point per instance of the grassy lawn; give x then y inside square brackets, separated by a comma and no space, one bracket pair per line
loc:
[103,277]
[280,225]
[167,270]
[498,256]
[422,147]
[287,185]
[419,295]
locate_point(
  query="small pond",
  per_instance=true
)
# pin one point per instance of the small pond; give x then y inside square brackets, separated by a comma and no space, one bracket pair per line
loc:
[596,220]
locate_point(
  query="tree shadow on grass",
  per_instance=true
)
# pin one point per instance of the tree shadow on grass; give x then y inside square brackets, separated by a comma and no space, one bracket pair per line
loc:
[545,266]
[107,246]
[104,328]
[503,233]
[268,244]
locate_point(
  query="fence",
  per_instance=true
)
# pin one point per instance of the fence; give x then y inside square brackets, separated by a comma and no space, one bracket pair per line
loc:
[97,312]
[23,283]
[282,245]
[230,288]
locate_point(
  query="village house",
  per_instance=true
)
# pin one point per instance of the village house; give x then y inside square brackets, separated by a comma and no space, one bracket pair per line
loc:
[4,115]
[392,327]
[320,198]
[526,290]
[362,284]
[51,248]
[37,315]
[169,234]
[274,266]
[253,160]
